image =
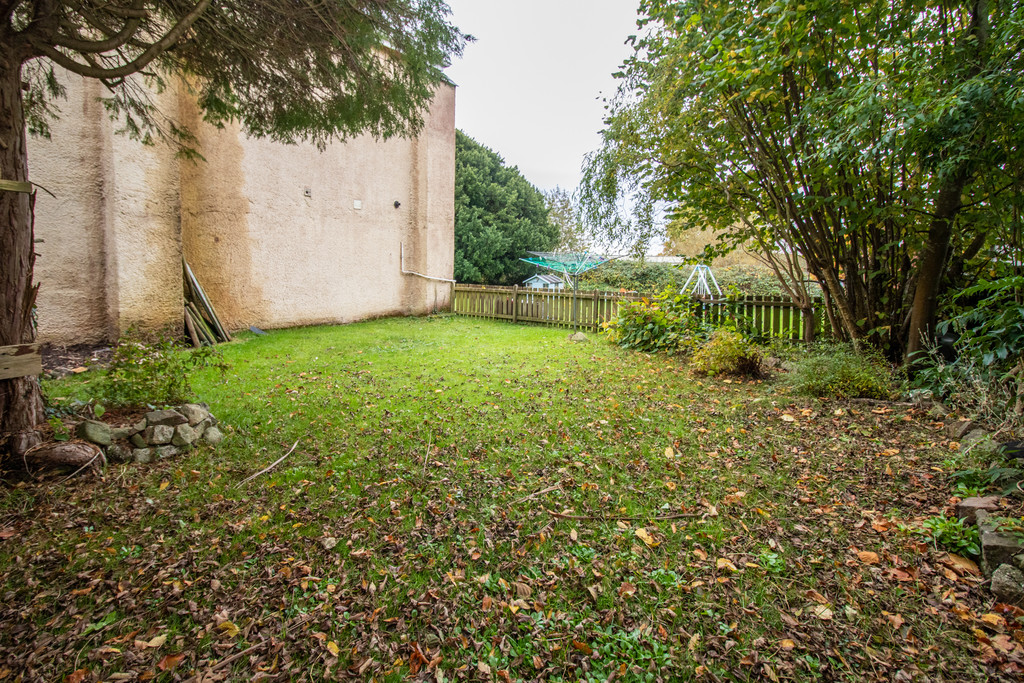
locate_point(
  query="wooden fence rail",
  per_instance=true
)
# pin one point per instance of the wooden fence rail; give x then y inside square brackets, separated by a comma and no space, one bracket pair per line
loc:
[767,316]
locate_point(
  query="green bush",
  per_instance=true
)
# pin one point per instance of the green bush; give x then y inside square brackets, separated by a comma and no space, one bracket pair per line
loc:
[837,371]
[665,323]
[153,371]
[728,352]
[950,534]
[633,276]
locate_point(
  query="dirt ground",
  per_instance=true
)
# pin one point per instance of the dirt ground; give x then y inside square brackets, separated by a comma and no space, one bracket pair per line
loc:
[59,361]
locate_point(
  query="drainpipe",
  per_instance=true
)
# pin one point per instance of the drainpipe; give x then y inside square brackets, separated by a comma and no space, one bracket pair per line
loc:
[410,272]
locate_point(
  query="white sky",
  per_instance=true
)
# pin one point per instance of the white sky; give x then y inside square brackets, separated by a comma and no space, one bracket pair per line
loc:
[530,87]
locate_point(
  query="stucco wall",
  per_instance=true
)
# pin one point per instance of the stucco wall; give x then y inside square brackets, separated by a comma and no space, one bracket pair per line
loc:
[266,253]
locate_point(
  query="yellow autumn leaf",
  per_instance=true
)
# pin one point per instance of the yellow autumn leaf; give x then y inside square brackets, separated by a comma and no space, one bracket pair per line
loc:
[157,641]
[229,629]
[787,644]
[332,647]
[164,484]
[724,563]
[642,534]
[786,417]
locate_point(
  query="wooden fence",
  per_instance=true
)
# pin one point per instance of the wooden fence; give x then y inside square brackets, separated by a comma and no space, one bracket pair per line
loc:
[764,315]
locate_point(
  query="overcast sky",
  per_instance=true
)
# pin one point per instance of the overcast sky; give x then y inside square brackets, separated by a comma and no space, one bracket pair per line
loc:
[530,87]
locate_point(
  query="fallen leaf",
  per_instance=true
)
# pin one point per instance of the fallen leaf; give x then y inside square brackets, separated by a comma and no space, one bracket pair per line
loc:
[76,676]
[627,589]
[816,596]
[642,534]
[700,553]
[694,642]
[787,644]
[522,590]
[170,661]
[332,647]
[157,641]
[868,557]
[961,565]
[582,647]
[822,612]
[786,417]
[229,629]
[896,620]
[164,484]
[993,620]
[723,563]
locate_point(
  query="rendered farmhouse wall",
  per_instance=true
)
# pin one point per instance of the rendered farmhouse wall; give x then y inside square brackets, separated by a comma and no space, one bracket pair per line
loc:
[278,235]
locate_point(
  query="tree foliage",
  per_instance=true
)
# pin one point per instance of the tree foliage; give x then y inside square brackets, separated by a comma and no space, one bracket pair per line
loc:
[285,70]
[499,216]
[563,212]
[874,145]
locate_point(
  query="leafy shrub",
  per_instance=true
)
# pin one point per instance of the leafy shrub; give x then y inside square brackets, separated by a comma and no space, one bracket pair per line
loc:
[987,378]
[837,371]
[728,352]
[950,534]
[665,323]
[633,276]
[153,371]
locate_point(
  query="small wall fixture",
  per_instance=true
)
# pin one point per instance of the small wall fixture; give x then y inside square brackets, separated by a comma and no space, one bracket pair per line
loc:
[397,203]
[307,192]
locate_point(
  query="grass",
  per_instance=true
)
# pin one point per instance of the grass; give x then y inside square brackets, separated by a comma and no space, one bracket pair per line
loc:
[474,500]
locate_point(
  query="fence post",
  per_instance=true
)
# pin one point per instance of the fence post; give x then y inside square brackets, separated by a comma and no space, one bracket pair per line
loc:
[515,303]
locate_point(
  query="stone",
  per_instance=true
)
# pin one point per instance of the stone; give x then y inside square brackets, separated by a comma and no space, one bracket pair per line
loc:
[118,453]
[121,433]
[139,440]
[579,337]
[1008,585]
[967,508]
[170,418]
[143,456]
[194,412]
[184,435]
[139,426]
[159,435]
[213,436]
[957,429]
[95,432]
[166,451]
[974,438]
[998,547]
[938,411]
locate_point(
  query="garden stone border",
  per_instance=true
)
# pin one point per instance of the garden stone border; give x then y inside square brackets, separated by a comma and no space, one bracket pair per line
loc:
[160,434]
[1002,553]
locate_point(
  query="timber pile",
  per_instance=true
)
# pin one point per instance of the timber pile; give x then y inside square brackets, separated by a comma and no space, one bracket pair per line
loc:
[201,319]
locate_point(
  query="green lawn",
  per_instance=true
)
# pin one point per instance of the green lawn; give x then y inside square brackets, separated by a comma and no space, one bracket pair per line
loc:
[473,500]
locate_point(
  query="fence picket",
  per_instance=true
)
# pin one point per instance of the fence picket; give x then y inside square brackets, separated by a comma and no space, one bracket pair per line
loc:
[770,316]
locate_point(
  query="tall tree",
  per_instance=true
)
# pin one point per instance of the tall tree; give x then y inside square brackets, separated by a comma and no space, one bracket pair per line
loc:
[563,213]
[499,216]
[285,70]
[851,135]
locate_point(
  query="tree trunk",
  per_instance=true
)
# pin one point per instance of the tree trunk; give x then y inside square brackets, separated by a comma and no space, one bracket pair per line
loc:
[931,263]
[21,403]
